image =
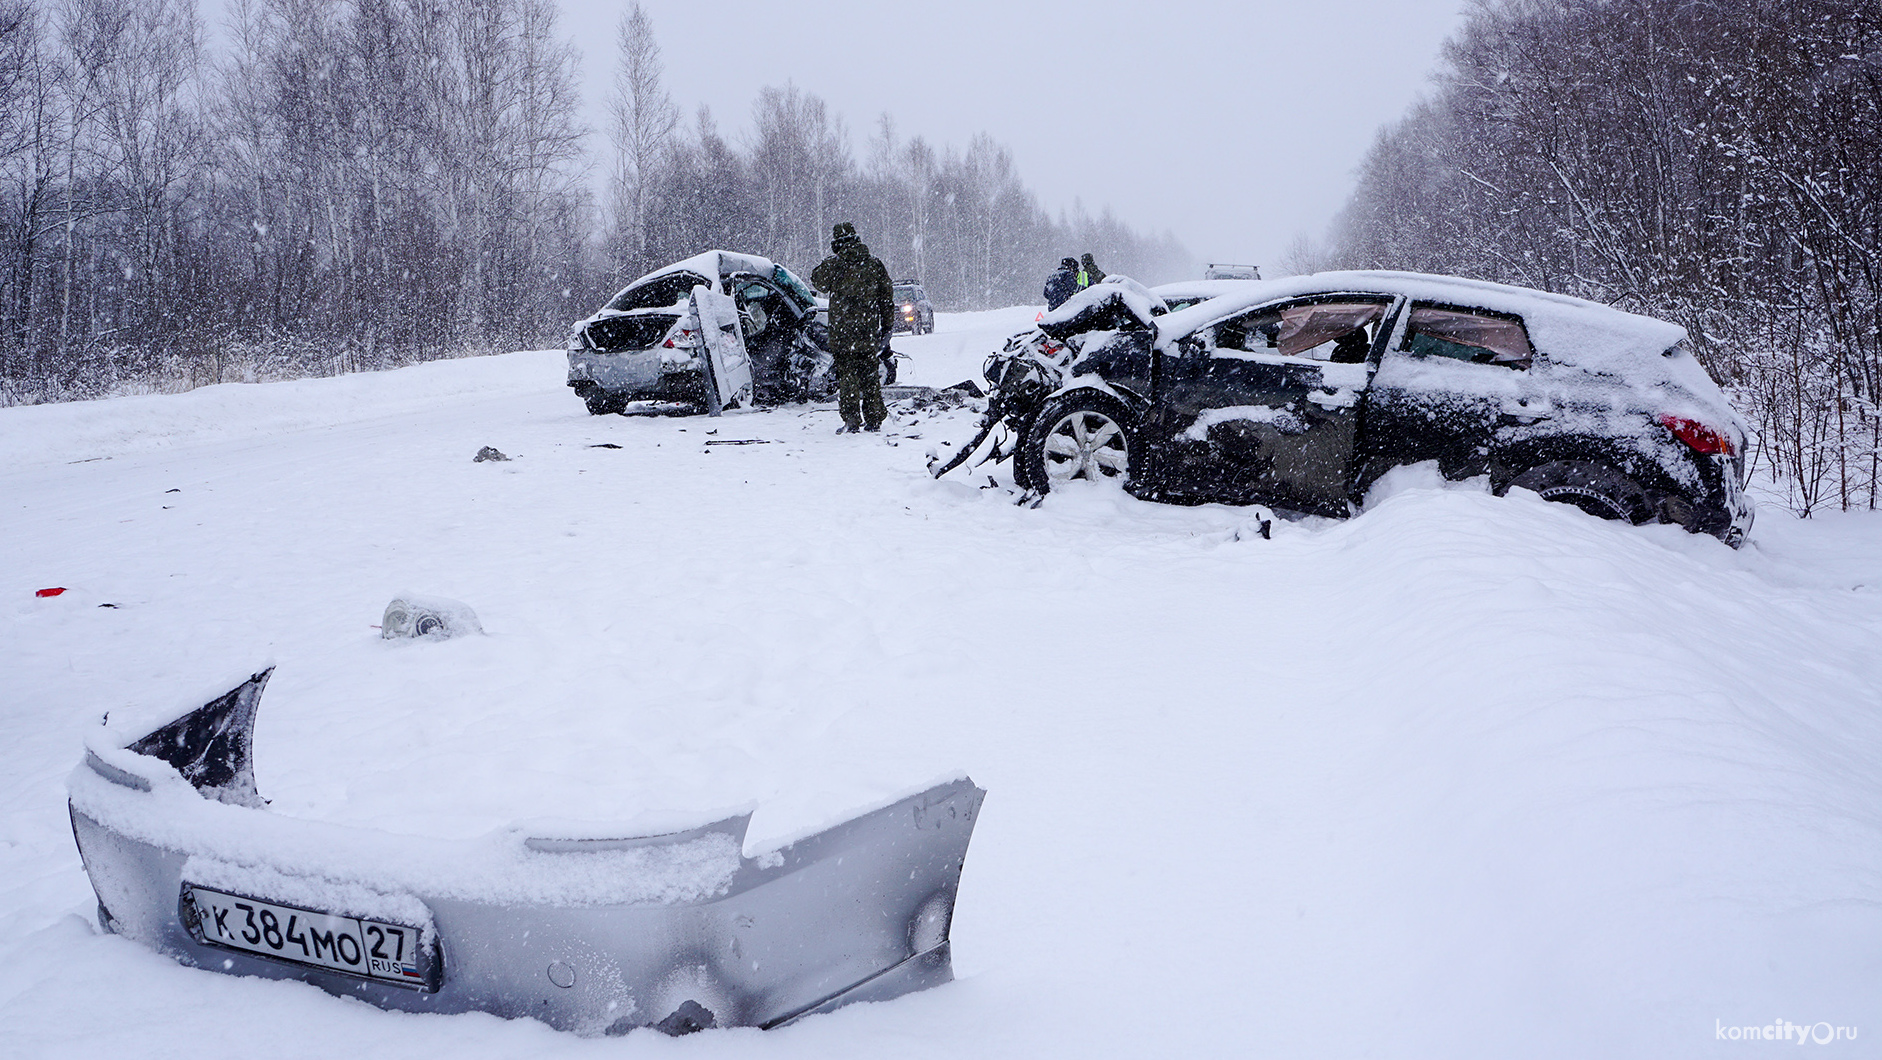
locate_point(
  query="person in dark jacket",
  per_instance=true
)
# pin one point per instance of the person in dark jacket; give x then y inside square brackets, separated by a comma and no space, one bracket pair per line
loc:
[1088,271]
[862,313]
[1062,284]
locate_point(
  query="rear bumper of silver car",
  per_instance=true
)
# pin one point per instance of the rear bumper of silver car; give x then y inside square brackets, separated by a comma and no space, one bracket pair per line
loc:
[632,373]
[588,932]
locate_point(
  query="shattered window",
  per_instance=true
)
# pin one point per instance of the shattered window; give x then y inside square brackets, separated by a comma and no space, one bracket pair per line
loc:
[1323,331]
[799,290]
[1468,335]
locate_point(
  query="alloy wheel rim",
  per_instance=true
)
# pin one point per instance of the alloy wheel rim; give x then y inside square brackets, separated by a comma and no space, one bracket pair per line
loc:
[1087,445]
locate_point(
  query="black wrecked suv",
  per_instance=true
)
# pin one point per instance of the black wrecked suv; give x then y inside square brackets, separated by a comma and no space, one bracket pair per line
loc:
[1299,393]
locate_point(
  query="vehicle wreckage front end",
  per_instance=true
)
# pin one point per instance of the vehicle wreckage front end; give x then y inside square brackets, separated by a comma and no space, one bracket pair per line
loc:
[591,932]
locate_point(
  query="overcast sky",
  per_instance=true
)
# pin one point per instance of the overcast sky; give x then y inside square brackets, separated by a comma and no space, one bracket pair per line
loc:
[1234,124]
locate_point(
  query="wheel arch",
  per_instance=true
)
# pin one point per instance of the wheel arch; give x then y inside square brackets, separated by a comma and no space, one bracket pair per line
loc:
[1513,459]
[1134,403]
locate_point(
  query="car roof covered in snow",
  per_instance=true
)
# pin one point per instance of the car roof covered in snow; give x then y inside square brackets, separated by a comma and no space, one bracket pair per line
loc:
[715,265]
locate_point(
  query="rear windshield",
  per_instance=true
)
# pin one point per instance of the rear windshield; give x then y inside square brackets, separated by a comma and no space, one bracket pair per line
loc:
[1473,335]
[659,292]
[636,332]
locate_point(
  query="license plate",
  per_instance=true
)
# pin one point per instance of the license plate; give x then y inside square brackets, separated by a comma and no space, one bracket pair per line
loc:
[370,949]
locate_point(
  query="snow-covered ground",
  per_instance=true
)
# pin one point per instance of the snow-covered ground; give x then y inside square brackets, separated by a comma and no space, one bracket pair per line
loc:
[1462,777]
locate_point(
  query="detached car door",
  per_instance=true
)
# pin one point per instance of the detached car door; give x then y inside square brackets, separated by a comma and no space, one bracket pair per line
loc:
[1264,406]
[728,367]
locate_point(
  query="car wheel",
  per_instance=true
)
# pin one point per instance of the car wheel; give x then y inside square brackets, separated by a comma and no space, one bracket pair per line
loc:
[602,403]
[1081,435]
[1593,487]
[885,374]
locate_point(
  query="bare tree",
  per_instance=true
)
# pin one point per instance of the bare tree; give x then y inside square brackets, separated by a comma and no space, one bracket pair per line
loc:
[1711,163]
[641,123]
[370,182]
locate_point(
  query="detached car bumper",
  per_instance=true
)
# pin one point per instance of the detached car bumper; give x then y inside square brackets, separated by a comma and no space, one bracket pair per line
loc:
[591,933]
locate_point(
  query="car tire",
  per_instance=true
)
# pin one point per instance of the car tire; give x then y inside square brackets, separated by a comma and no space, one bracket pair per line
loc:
[1593,487]
[602,403]
[1080,435]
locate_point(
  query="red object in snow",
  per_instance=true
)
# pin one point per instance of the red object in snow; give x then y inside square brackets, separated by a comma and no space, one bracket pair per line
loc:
[50,592]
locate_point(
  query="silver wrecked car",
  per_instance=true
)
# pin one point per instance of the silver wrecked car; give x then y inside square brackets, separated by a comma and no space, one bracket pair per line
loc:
[717,330]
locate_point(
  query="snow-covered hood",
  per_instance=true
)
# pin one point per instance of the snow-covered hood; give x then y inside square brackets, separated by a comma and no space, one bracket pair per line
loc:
[1115,302]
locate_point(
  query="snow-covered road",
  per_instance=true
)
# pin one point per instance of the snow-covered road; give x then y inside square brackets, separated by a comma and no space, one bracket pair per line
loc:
[1464,776]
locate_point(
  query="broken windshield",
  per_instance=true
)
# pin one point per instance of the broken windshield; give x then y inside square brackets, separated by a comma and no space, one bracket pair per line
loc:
[798,289]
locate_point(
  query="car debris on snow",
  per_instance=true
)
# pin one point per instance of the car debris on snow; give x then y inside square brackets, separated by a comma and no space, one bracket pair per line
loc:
[434,617]
[595,930]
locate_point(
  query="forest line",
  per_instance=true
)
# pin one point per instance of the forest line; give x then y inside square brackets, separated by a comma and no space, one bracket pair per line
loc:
[341,185]
[1711,162]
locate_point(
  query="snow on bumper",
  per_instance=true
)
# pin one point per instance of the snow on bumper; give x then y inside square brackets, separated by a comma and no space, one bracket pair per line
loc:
[632,371]
[590,932]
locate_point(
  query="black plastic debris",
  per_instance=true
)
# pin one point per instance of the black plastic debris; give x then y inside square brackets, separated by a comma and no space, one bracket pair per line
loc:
[488,452]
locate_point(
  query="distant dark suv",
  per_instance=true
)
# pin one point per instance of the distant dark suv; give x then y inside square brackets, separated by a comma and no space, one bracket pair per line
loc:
[1300,393]
[913,312]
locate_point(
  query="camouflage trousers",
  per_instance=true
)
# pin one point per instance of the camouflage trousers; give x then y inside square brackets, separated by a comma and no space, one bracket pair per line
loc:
[859,390]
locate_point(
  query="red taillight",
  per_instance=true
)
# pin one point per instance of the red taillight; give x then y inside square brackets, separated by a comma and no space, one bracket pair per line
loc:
[686,341]
[1697,436]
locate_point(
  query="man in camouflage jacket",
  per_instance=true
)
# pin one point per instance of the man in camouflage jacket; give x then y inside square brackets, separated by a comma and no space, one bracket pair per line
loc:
[862,312]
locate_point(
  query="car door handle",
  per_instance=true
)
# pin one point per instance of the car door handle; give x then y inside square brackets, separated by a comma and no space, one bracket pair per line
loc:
[1342,398]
